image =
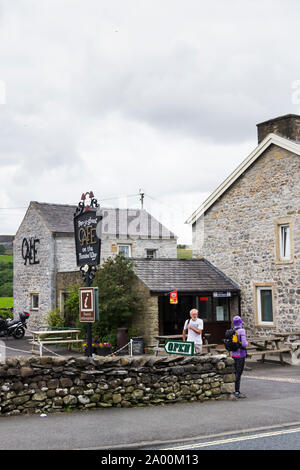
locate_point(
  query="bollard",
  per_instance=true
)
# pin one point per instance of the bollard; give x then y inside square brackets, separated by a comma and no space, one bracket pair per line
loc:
[131,343]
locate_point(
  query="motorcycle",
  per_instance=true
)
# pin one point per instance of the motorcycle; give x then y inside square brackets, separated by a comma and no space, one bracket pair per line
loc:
[15,328]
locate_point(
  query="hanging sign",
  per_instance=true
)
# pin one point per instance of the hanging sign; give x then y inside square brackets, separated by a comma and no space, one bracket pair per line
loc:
[88,304]
[87,243]
[173,297]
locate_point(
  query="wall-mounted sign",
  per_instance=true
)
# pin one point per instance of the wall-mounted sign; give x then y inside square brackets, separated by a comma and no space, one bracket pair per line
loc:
[222,294]
[29,250]
[88,245]
[173,297]
[88,304]
[186,348]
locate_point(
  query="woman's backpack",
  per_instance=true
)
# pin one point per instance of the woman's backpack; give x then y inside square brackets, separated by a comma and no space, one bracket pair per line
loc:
[231,340]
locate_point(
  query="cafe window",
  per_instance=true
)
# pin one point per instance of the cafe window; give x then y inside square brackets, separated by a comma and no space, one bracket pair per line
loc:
[222,308]
[205,308]
[265,305]
[34,301]
[124,250]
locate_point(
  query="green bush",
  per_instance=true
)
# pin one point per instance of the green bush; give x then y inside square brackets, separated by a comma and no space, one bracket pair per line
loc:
[6,314]
[54,318]
[117,300]
[6,277]
[6,290]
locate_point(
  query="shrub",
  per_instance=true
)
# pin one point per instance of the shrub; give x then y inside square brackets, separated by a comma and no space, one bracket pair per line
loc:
[54,318]
[117,300]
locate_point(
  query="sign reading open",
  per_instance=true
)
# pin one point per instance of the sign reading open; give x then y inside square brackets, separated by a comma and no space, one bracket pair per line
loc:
[185,348]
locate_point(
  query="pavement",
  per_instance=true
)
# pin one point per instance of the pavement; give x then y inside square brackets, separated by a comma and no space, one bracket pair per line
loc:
[273,399]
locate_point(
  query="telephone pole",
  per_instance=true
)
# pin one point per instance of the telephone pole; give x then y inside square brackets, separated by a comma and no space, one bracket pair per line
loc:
[142,195]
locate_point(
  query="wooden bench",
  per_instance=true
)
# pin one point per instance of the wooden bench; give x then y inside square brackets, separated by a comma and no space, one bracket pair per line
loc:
[209,347]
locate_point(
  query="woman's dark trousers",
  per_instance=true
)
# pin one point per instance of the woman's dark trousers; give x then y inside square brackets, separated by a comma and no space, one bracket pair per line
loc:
[239,363]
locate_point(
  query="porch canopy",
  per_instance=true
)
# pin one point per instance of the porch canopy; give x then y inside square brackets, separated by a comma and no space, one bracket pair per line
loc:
[199,285]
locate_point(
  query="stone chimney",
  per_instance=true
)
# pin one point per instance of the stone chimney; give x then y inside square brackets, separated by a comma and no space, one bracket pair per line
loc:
[287,126]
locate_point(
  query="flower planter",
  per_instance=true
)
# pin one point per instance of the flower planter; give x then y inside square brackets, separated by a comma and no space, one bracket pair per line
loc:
[103,351]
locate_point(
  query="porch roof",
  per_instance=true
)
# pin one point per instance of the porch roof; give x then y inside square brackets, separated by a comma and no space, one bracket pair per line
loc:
[184,275]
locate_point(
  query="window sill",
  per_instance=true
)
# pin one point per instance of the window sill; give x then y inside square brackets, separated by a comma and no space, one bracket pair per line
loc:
[265,325]
[288,261]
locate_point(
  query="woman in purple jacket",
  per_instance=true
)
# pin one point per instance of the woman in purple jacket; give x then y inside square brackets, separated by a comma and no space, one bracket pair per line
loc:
[239,356]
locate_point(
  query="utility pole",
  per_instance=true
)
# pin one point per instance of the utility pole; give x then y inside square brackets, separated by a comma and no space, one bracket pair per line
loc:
[142,195]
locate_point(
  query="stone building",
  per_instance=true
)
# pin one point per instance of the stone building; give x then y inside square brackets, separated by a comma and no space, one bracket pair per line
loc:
[45,258]
[198,284]
[249,228]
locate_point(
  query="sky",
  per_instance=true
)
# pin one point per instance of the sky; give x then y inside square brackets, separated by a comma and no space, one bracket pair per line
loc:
[118,96]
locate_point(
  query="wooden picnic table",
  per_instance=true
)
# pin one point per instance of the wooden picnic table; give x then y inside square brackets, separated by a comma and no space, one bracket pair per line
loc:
[289,336]
[263,345]
[292,338]
[44,337]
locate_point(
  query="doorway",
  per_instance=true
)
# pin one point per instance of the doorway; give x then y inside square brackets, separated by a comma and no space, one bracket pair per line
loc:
[214,311]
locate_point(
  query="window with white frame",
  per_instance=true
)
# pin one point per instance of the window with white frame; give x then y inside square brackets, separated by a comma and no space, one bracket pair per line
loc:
[34,301]
[150,254]
[265,305]
[124,250]
[284,242]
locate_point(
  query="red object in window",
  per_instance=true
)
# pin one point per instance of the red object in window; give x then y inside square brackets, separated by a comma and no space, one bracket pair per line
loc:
[203,298]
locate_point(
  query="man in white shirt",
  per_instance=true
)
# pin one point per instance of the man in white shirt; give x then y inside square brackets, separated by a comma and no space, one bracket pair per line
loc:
[194,328]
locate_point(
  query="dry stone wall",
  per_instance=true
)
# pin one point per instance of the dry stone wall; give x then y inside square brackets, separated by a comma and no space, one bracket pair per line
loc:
[50,384]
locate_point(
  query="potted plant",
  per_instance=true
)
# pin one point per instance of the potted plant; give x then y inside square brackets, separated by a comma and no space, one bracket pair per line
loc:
[103,348]
[94,348]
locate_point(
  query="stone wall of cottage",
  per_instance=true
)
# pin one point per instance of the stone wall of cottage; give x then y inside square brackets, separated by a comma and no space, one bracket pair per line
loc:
[64,280]
[238,236]
[65,255]
[49,384]
[147,321]
[34,278]
[165,247]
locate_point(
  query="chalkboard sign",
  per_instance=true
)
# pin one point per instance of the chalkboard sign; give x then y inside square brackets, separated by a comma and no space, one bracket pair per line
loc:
[137,346]
[87,243]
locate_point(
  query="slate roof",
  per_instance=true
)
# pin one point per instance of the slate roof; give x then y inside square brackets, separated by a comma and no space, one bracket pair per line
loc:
[58,217]
[133,222]
[184,275]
